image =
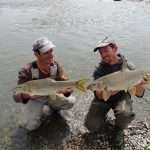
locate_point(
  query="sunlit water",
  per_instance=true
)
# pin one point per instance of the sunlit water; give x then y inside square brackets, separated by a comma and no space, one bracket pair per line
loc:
[75,27]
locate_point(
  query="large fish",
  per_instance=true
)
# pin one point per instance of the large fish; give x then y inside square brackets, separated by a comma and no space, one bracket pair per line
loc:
[46,87]
[120,80]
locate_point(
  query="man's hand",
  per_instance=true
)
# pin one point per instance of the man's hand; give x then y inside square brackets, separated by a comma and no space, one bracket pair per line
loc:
[24,97]
[114,93]
[105,94]
[66,92]
[140,85]
[21,97]
[145,80]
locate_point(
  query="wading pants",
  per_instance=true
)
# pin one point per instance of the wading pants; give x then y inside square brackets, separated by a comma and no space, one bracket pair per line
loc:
[122,107]
[32,112]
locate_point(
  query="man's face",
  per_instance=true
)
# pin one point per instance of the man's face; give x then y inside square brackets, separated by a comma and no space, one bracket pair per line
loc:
[108,54]
[46,58]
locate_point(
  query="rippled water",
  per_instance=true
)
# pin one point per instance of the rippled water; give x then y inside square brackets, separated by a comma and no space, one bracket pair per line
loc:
[75,27]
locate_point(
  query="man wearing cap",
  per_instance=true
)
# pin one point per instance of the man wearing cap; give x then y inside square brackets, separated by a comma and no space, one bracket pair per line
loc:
[119,101]
[44,66]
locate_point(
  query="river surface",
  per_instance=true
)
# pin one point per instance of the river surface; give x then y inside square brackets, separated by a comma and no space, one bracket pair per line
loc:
[75,26]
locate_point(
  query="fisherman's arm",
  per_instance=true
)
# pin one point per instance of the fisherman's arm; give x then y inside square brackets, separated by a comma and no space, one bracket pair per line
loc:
[61,73]
[140,90]
[24,75]
[100,95]
[63,77]
[140,87]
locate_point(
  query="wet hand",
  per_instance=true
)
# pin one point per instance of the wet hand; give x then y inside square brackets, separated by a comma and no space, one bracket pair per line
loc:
[145,80]
[114,93]
[22,97]
[105,94]
[66,92]
[25,97]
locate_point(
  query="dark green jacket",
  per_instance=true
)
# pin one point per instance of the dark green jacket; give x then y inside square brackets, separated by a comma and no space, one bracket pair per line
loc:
[104,69]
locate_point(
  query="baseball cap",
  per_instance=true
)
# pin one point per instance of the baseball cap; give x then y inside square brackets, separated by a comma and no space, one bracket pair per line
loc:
[42,44]
[103,43]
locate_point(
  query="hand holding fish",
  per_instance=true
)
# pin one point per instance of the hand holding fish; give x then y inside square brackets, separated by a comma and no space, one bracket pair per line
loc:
[66,92]
[33,90]
[24,97]
[21,97]
[140,86]
[145,80]
[103,94]
[127,81]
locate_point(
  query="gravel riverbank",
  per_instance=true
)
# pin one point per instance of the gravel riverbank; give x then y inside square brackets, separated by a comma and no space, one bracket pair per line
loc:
[137,137]
[68,133]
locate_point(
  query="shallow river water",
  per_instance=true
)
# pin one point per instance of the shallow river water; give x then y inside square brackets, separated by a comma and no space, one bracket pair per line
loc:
[75,27]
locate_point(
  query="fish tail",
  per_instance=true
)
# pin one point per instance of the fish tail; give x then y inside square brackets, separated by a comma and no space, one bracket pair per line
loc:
[82,84]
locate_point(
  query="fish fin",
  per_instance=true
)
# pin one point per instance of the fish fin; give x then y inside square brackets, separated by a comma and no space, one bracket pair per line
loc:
[132,90]
[82,84]
[106,94]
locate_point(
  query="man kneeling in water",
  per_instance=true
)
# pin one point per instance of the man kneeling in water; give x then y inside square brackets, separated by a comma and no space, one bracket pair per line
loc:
[44,66]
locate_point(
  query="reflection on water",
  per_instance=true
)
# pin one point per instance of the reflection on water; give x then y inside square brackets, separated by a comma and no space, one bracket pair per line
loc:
[75,27]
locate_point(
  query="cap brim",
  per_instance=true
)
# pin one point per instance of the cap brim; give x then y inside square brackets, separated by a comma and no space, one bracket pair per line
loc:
[95,49]
[46,48]
[100,46]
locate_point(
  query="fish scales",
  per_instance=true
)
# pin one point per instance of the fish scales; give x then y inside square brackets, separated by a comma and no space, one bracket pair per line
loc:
[120,80]
[44,87]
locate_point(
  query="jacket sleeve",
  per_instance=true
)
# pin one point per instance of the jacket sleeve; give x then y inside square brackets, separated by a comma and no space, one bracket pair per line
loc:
[24,74]
[98,72]
[131,67]
[95,74]
[61,75]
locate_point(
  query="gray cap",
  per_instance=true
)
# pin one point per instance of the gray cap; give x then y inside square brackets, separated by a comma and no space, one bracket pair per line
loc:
[103,43]
[42,44]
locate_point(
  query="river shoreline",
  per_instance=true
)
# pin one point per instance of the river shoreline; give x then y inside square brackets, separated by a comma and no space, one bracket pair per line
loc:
[137,136]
